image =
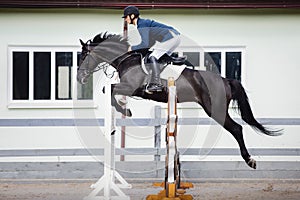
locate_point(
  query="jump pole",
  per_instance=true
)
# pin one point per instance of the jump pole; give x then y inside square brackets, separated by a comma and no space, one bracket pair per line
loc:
[174,189]
[107,182]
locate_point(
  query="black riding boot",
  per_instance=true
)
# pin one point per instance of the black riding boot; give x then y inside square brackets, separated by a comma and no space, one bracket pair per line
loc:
[155,83]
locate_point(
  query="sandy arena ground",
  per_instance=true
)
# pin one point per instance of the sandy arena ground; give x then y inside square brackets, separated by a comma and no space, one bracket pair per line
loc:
[206,190]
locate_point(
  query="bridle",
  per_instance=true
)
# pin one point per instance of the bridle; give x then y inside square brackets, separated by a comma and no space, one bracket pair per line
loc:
[86,50]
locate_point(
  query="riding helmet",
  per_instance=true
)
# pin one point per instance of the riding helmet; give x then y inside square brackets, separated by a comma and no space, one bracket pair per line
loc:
[131,10]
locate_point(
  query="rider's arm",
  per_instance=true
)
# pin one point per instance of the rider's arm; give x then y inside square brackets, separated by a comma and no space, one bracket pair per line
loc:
[144,33]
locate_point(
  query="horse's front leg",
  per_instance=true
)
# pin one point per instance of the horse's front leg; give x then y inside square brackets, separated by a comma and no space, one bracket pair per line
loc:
[120,103]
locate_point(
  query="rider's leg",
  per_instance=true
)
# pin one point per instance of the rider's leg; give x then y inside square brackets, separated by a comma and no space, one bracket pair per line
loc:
[158,50]
[155,82]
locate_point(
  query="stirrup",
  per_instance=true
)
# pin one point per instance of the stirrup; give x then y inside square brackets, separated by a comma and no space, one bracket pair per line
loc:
[153,87]
[179,60]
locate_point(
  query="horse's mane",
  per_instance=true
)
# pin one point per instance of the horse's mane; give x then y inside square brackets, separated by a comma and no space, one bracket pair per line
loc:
[109,47]
[106,35]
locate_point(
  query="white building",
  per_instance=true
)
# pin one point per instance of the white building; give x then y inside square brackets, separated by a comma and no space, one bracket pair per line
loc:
[40,104]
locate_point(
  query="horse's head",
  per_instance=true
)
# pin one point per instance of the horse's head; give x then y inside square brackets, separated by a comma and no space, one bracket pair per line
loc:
[104,48]
[83,72]
[86,48]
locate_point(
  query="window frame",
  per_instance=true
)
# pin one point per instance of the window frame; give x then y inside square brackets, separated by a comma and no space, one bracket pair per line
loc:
[52,102]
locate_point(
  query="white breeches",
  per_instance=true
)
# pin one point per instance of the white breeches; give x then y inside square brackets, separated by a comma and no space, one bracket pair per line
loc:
[168,47]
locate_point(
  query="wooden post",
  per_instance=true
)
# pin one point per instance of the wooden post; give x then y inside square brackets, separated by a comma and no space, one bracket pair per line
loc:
[123,128]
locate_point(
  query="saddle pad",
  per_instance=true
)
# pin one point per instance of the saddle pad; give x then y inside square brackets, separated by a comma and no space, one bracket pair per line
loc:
[172,71]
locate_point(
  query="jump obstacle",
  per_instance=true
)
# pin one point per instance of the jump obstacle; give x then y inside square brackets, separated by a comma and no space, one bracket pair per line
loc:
[111,182]
[174,189]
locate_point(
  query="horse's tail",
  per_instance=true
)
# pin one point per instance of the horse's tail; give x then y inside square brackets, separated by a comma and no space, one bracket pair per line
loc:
[239,95]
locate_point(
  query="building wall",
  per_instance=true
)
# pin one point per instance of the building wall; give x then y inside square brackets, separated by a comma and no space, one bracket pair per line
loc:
[270,73]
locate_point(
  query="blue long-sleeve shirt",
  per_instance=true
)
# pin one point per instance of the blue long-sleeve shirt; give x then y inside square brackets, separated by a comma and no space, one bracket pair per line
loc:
[152,31]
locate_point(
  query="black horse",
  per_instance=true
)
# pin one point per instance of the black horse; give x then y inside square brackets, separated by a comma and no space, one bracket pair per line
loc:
[208,89]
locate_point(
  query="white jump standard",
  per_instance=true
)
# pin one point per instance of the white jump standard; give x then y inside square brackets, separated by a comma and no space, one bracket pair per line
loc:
[107,183]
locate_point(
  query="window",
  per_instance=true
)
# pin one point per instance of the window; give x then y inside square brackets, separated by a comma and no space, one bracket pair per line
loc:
[41,75]
[84,91]
[46,77]
[20,69]
[227,61]
[233,65]
[212,61]
[63,75]
[193,57]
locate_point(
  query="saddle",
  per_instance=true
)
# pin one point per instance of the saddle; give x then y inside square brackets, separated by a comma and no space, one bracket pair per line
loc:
[166,59]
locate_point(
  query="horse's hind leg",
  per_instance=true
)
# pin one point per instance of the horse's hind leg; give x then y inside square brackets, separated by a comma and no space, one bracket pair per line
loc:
[237,131]
[219,112]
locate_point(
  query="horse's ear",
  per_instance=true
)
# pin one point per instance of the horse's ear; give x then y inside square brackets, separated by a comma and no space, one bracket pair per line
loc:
[81,42]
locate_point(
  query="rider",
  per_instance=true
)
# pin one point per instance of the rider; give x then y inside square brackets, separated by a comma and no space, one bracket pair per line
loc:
[160,38]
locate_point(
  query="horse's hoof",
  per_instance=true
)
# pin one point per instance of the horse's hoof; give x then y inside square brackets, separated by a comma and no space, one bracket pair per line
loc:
[122,102]
[252,163]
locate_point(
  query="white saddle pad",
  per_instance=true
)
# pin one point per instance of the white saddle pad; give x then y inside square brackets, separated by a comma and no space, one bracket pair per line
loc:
[169,71]
[172,71]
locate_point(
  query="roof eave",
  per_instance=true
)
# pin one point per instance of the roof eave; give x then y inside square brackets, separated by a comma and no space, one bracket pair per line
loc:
[99,4]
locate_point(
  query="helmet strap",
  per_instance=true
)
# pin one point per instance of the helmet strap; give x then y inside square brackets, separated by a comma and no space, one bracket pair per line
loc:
[132,18]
